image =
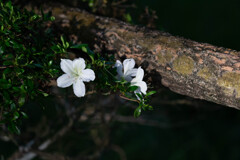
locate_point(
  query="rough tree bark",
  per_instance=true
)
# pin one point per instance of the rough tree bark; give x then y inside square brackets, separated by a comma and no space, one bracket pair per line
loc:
[198,70]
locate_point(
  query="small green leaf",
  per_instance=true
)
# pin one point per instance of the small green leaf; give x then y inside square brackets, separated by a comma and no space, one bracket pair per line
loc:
[67,44]
[45,94]
[21,101]
[8,56]
[139,95]
[137,112]
[16,89]
[38,65]
[34,17]
[62,39]
[50,63]
[1,50]
[24,115]
[151,93]
[4,84]
[13,128]
[52,18]
[150,108]
[7,71]
[2,28]
[128,17]
[84,49]
[79,46]
[132,88]
[9,4]
[13,106]
[92,57]
[7,63]
[15,115]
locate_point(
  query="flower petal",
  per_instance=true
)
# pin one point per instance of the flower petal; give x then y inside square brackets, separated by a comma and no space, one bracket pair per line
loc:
[119,67]
[142,85]
[128,64]
[88,75]
[79,88]
[132,72]
[79,64]
[139,75]
[64,81]
[66,66]
[128,78]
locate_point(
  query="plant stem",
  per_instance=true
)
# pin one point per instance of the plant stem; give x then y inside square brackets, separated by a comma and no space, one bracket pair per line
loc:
[123,97]
[4,67]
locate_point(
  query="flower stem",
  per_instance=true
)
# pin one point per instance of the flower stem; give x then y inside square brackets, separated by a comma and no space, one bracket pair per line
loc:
[123,97]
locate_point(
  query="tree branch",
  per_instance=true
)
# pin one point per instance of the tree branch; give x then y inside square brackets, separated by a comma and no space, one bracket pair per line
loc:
[186,67]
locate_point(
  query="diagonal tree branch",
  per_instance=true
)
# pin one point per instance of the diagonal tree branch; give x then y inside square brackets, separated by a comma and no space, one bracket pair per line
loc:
[186,67]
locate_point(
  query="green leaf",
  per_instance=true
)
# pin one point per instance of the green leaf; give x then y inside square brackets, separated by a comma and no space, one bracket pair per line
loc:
[38,65]
[132,88]
[128,17]
[4,84]
[7,63]
[150,108]
[24,115]
[62,39]
[21,101]
[79,46]
[139,95]
[15,115]
[13,106]
[151,93]
[34,17]
[8,56]
[91,56]
[7,71]
[45,94]
[13,128]
[16,89]
[137,112]
[1,49]
[50,63]
[84,49]
[9,4]
[52,18]
[67,44]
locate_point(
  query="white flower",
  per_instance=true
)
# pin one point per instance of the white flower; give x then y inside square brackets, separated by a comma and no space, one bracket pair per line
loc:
[75,74]
[127,70]
[138,81]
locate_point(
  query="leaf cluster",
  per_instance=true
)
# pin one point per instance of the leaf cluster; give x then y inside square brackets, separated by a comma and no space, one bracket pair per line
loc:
[29,58]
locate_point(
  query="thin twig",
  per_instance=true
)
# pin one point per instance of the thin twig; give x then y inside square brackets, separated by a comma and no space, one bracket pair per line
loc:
[123,97]
[4,67]
[108,70]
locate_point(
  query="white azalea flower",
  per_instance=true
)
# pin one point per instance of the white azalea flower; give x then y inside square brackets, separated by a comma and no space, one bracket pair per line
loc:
[127,70]
[138,81]
[75,74]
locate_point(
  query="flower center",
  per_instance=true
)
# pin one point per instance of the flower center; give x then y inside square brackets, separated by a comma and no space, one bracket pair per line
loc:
[77,72]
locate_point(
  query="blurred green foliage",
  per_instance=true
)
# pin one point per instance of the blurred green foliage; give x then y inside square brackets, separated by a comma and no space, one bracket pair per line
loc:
[29,54]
